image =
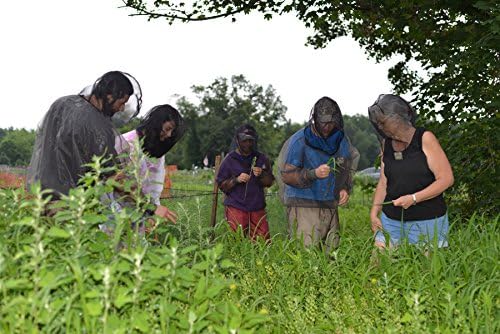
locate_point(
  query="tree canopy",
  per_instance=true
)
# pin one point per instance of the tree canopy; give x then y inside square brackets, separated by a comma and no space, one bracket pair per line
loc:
[16,146]
[455,44]
[220,108]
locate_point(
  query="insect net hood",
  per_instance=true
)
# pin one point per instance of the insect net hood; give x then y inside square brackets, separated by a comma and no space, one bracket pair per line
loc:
[389,106]
[306,150]
[71,133]
[131,108]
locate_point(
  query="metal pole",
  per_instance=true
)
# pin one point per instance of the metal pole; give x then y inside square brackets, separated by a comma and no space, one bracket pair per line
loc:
[215,193]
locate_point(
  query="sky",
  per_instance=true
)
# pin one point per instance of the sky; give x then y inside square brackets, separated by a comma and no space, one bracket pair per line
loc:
[55,48]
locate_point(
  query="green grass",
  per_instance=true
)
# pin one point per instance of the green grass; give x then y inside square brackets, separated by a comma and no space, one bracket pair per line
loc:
[62,275]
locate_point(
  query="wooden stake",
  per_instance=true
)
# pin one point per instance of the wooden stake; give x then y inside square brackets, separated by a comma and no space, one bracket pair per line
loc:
[215,195]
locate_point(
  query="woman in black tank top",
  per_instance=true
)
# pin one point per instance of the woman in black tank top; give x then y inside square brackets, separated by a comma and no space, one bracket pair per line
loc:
[414,174]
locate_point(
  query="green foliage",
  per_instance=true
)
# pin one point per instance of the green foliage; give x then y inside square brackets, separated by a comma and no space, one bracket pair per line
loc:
[455,44]
[363,137]
[62,274]
[16,146]
[223,106]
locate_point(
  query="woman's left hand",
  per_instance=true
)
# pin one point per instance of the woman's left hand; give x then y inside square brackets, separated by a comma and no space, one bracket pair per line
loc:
[405,201]
[344,197]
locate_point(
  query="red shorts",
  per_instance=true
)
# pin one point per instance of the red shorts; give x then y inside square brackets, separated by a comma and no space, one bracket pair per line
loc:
[253,223]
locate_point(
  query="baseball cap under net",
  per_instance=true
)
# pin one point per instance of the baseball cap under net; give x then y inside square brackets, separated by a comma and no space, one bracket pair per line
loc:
[326,110]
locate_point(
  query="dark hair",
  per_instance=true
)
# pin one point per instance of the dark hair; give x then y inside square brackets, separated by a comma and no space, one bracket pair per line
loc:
[151,126]
[113,83]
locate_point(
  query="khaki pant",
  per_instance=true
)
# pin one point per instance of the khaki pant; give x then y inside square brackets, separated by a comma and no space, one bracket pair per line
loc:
[314,226]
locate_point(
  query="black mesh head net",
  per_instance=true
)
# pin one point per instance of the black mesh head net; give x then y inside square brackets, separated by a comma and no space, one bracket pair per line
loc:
[390,107]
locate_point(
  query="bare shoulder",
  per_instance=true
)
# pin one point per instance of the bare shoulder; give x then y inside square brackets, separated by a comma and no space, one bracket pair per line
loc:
[428,138]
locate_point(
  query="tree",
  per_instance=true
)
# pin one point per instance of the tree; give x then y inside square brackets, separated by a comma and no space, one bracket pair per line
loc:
[223,106]
[16,147]
[362,136]
[455,43]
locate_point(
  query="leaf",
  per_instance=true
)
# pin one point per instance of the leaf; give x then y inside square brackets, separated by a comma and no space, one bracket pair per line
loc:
[226,264]
[18,284]
[93,308]
[406,318]
[92,294]
[122,298]
[140,322]
[47,279]
[199,294]
[58,233]
[95,219]
[201,266]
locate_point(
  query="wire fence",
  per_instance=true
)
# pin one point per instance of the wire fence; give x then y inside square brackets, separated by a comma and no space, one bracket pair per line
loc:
[186,193]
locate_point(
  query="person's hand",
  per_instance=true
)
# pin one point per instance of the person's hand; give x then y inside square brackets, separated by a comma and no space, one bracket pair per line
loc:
[164,212]
[121,178]
[343,197]
[257,171]
[376,223]
[243,178]
[405,201]
[322,171]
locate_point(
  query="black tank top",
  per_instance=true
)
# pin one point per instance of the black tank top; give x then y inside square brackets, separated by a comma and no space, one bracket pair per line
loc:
[408,176]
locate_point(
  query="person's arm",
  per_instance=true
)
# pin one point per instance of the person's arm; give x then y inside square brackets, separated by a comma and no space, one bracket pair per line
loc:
[264,173]
[301,177]
[440,167]
[226,180]
[156,177]
[378,199]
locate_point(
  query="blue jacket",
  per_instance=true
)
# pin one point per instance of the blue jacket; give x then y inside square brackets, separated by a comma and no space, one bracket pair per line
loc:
[301,155]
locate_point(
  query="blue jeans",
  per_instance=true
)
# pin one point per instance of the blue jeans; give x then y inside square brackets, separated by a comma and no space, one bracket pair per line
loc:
[415,231]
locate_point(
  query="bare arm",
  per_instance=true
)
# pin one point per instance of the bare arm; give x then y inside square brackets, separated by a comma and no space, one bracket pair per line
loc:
[378,199]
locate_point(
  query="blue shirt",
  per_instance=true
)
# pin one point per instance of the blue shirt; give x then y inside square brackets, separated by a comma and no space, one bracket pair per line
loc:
[304,156]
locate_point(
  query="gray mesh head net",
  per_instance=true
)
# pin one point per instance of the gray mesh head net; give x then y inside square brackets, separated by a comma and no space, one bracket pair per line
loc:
[71,133]
[131,108]
[389,106]
[306,150]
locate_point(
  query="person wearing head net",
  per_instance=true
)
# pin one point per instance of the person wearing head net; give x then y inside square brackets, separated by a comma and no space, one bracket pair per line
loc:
[242,176]
[316,166]
[78,127]
[414,174]
[161,128]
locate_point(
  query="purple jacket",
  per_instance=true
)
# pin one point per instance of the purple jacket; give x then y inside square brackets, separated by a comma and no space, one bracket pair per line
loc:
[233,165]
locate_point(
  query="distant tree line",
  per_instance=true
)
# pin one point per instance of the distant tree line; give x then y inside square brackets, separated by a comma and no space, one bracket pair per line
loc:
[211,121]
[16,146]
[225,104]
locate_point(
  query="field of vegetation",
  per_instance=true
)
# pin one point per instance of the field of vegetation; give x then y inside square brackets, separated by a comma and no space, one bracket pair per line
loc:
[62,275]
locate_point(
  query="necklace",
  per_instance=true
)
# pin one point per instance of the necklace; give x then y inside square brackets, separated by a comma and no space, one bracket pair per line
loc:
[398,155]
